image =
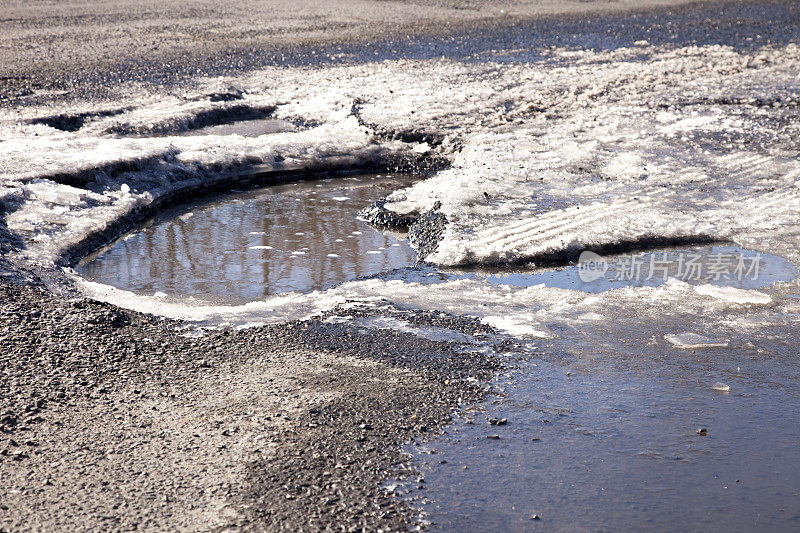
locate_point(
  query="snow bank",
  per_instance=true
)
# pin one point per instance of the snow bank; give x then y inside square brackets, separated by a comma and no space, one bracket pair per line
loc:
[608,150]
[600,149]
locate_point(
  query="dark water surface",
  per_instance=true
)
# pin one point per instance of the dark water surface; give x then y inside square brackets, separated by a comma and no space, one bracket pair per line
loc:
[614,444]
[243,246]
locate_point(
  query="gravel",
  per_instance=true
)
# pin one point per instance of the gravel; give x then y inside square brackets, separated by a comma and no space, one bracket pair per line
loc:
[117,420]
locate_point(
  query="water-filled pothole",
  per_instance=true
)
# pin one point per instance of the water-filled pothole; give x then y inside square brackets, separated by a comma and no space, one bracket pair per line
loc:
[245,245]
[724,266]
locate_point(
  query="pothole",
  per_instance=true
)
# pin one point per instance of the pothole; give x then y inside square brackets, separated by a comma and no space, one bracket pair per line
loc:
[724,266]
[245,245]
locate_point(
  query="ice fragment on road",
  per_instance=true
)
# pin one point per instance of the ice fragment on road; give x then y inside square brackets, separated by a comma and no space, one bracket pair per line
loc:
[690,341]
[734,295]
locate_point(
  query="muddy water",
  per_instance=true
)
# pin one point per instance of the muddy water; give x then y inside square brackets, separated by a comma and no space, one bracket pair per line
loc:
[243,246]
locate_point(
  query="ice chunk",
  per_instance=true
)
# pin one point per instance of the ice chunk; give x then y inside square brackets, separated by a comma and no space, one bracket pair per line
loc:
[721,387]
[734,295]
[691,341]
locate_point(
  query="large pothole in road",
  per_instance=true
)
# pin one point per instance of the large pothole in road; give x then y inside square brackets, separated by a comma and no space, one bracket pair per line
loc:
[245,245]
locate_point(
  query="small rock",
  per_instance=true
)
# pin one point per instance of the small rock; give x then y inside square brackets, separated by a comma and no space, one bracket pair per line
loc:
[702,431]
[535,517]
[494,437]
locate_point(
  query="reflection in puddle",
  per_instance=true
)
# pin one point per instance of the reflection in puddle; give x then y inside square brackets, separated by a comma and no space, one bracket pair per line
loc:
[243,246]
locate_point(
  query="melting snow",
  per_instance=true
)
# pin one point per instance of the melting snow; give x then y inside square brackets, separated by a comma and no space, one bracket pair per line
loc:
[594,149]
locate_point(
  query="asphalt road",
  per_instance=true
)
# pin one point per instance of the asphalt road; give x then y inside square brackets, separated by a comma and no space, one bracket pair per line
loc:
[89,49]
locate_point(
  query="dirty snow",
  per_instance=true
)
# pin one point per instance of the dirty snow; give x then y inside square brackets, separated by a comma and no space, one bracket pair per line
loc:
[582,149]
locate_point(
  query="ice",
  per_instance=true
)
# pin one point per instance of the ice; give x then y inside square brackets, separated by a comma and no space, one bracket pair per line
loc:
[426,332]
[581,157]
[692,341]
[721,387]
[734,295]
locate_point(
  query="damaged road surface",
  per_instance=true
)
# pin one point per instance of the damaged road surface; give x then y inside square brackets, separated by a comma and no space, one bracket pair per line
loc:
[504,380]
[115,420]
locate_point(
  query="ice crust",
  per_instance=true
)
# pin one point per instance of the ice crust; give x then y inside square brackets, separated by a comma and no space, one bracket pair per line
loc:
[537,312]
[590,149]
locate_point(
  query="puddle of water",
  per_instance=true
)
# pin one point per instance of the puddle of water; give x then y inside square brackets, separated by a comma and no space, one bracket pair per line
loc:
[243,246]
[724,266]
[245,128]
[615,444]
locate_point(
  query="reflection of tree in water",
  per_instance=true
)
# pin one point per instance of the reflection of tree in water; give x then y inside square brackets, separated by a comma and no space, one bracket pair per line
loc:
[189,255]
